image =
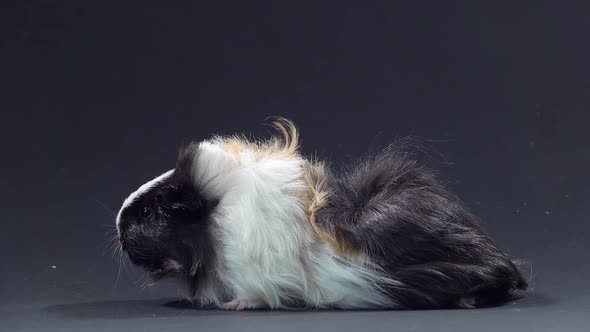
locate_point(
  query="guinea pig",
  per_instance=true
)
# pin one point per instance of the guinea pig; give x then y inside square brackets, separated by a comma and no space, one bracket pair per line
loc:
[246,224]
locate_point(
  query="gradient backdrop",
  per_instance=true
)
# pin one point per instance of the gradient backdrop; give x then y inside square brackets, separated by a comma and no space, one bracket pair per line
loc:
[96,97]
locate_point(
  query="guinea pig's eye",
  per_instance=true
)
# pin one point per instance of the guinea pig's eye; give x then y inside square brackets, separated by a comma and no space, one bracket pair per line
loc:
[146,212]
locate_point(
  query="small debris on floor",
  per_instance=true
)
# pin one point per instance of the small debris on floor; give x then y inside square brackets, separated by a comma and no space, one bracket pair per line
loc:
[53,267]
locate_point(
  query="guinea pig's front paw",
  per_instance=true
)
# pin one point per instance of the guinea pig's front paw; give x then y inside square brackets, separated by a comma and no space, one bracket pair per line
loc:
[242,304]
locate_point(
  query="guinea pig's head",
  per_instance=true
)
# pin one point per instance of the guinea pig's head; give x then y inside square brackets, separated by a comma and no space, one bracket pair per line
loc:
[164,227]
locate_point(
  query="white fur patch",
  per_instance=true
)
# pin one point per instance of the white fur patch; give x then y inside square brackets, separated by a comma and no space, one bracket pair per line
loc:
[267,253]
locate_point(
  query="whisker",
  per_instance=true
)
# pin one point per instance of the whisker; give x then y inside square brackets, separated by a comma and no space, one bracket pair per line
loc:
[119,272]
[127,267]
[112,245]
[108,246]
[112,227]
[147,283]
[140,282]
[107,208]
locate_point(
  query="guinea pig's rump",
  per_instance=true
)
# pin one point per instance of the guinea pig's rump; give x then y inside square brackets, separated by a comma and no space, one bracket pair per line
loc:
[396,212]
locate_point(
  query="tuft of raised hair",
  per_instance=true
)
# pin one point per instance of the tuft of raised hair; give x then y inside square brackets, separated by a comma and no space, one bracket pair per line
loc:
[289,140]
[396,212]
[284,145]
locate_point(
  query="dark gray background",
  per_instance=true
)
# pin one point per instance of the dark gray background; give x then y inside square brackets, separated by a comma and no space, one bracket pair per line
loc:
[97,96]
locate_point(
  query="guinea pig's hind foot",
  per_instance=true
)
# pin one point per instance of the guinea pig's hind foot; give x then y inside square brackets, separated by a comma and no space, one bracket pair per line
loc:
[242,304]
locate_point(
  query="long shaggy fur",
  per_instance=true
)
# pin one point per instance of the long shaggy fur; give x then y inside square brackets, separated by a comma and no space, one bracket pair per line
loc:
[246,224]
[397,213]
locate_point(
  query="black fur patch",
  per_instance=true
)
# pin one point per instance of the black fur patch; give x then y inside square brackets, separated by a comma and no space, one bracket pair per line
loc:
[396,211]
[170,223]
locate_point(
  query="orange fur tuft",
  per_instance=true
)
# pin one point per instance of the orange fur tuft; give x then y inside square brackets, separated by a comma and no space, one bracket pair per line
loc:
[317,198]
[286,145]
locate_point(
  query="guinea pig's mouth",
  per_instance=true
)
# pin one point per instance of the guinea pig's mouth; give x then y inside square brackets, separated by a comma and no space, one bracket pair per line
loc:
[154,263]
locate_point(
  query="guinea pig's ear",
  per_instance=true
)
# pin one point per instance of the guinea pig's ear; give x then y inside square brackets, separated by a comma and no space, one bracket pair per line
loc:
[184,163]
